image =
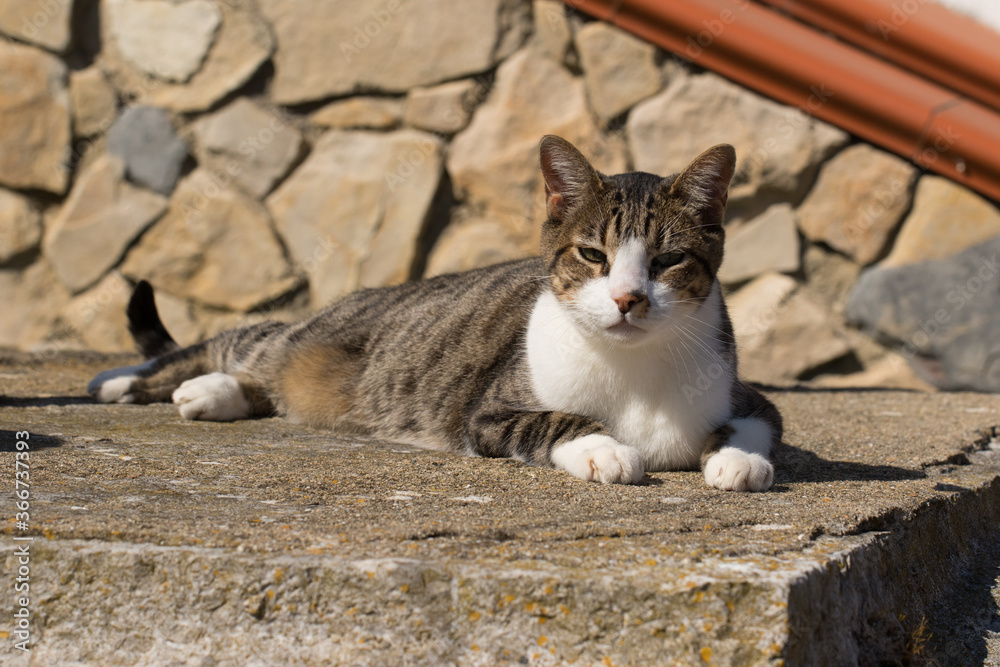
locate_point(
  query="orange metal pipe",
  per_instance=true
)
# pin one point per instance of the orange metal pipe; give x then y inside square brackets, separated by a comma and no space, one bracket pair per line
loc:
[925,37]
[790,62]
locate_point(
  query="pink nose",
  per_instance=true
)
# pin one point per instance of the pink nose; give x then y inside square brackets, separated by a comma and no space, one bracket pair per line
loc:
[625,302]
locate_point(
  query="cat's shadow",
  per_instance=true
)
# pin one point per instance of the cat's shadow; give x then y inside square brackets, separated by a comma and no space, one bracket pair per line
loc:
[794,464]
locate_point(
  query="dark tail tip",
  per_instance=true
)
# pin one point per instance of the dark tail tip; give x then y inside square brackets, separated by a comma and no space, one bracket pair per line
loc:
[144,323]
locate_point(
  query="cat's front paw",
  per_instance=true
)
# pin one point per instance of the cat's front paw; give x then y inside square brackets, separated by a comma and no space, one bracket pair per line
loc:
[600,458]
[215,397]
[732,469]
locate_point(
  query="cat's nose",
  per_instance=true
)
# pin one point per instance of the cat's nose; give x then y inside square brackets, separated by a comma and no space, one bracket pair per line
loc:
[626,301]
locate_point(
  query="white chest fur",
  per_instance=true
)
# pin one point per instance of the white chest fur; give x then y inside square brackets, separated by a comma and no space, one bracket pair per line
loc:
[663,397]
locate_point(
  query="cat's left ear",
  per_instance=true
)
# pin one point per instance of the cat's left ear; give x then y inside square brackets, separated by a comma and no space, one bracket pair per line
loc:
[705,182]
[567,173]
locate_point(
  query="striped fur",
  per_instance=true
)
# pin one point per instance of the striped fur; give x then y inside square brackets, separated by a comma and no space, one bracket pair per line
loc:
[604,368]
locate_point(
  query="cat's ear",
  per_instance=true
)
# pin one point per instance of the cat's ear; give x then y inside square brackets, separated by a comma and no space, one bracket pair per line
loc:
[568,175]
[705,182]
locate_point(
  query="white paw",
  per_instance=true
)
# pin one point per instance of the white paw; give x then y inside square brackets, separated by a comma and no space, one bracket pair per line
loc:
[214,397]
[115,385]
[115,390]
[732,469]
[600,458]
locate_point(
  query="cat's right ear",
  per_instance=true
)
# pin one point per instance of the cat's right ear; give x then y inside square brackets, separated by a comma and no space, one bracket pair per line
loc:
[567,173]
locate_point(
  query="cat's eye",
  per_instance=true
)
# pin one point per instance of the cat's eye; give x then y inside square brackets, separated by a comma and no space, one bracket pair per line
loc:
[593,255]
[666,260]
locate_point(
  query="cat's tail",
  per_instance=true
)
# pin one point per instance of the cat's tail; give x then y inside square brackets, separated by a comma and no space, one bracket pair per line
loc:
[144,323]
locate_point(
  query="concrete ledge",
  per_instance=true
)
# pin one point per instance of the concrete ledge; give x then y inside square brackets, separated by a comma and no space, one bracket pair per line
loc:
[159,541]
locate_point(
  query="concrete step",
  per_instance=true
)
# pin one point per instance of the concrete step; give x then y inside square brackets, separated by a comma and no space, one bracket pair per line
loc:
[163,542]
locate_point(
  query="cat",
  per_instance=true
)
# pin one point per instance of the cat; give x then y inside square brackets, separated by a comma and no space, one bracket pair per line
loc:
[610,355]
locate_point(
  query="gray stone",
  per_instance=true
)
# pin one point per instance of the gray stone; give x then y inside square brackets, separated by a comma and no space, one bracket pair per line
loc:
[167,40]
[390,46]
[943,315]
[99,220]
[779,148]
[619,69]
[153,153]
[46,24]
[242,44]
[216,246]
[769,242]
[445,109]
[371,113]
[352,213]
[35,119]
[20,225]
[858,201]
[254,146]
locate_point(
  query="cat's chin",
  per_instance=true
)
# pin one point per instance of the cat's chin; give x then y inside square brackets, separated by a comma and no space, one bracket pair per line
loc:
[624,333]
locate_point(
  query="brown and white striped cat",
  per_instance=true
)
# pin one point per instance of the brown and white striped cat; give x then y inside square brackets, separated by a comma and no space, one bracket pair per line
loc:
[609,355]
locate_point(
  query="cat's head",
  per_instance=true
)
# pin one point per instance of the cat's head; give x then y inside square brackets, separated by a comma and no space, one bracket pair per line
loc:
[631,255]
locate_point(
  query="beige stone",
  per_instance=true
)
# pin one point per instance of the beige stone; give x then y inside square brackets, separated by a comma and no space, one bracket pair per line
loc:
[783,332]
[352,213]
[99,220]
[20,225]
[215,245]
[778,147]
[754,307]
[242,44]
[473,244]
[890,372]
[858,201]
[390,46]
[444,109]
[494,161]
[254,146]
[94,102]
[166,40]
[374,113]
[46,24]
[619,69]
[769,242]
[30,300]
[946,218]
[552,32]
[830,275]
[802,336]
[34,117]
[98,315]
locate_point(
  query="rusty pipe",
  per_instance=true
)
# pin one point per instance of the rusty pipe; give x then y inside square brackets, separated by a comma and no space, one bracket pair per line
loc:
[924,37]
[795,64]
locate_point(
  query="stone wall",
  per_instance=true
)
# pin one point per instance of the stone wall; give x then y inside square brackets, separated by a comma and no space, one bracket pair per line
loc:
[255,159]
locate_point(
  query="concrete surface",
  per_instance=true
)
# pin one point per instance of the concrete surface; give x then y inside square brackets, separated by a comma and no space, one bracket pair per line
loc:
[164,542]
